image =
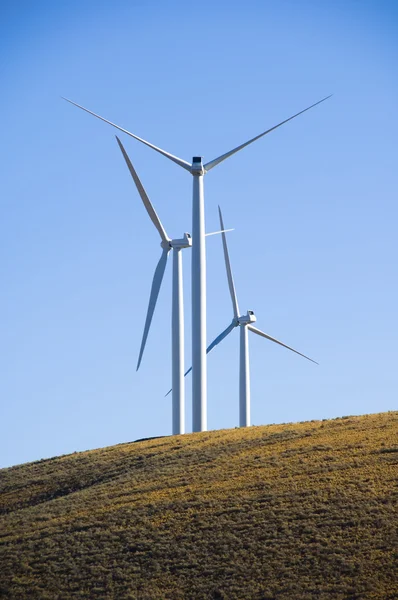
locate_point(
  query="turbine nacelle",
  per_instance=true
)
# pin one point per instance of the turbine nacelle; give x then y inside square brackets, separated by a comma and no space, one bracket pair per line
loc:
[197,166]
[185,242]
[248,318]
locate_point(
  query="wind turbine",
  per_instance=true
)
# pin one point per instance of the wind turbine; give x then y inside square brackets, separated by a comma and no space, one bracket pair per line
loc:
[177,311]
[245,322]
[177,318]
[198,170]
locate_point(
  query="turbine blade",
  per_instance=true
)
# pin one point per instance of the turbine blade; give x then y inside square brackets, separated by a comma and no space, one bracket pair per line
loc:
[144,197]
[178,161]
[218,339]
[268,337]
[229,270]
[156,283]
[220,159]
[216,232]
[222,335]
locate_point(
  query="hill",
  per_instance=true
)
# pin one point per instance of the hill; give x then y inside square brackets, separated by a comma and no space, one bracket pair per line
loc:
[295,511]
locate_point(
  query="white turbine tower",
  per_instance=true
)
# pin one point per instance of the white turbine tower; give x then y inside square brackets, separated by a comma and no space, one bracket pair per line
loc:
[198,170]
[245,322]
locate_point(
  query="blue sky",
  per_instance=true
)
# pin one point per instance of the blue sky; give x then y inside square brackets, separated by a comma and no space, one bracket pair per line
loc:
[314,206]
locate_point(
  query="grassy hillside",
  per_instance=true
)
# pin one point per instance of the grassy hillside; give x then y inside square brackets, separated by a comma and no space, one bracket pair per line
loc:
[297,511]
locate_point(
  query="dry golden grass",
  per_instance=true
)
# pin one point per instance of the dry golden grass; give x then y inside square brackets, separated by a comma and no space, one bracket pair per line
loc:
[297,511]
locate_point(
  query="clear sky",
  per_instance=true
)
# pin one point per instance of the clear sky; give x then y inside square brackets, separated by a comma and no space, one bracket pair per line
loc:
[314,206]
